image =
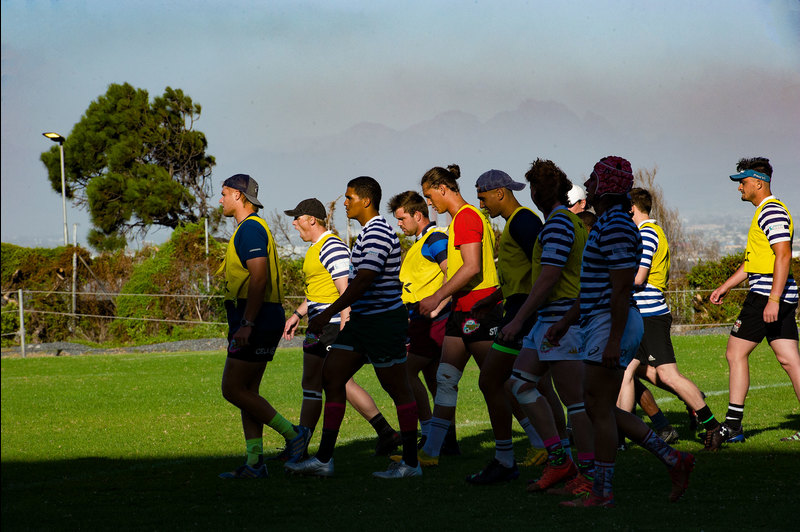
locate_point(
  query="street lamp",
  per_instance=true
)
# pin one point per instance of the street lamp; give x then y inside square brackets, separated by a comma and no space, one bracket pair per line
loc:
[55,137]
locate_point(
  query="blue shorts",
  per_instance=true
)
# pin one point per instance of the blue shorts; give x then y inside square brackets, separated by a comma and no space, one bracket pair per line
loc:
[595,337]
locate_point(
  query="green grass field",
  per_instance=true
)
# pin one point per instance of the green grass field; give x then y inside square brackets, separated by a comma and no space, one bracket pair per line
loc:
[136,442]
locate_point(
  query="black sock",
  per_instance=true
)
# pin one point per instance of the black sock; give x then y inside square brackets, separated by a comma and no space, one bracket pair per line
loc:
[706,417]
[381,426]
[734,416]
[409,447]
[326,444]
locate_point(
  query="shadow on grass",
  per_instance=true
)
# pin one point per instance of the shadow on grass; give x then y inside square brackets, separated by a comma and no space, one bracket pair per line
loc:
[185,493]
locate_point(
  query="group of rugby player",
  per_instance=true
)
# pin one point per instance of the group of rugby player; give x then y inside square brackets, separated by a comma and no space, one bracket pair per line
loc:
[566,314]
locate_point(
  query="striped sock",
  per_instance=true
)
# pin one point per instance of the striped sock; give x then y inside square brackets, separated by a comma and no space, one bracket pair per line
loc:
[530,431]
[734,416]
[504,452]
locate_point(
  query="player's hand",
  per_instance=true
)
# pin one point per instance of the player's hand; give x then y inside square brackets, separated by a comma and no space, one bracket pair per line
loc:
[510,332]
[611,356]
[771,312]
[291,327]
[428,305]
[241,338]
[718,295]
[556,332]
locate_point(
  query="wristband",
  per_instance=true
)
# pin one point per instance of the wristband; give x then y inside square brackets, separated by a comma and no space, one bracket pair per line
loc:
[774,299]
[299,316]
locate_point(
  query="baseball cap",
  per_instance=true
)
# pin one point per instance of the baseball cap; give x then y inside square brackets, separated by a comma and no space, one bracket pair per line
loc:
[312,207]
[750,173]
[496,179]
[576,194]
[246,185]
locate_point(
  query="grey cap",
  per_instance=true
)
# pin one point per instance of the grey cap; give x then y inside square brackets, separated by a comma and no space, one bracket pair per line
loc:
[496,179]
[246,185]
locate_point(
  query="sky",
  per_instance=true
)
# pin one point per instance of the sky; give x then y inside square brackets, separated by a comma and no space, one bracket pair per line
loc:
[305,95]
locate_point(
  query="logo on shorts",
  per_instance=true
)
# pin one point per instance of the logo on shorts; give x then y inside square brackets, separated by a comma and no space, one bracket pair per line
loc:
[493,332]
[265,351]
[651,358]
[594,350]
[546,346]
[310,340]
[736,326]
[470,326]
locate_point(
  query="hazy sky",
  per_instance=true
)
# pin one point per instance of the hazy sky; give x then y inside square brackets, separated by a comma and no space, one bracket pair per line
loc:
[686,86]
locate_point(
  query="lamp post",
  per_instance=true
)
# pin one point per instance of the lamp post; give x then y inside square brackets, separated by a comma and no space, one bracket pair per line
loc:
[55,137]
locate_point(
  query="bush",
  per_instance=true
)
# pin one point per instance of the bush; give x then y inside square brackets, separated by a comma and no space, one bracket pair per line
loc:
[179,267]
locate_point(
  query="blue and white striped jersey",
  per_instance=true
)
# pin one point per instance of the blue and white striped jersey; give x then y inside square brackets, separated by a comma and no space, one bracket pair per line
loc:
[774,221]
[614,244]
[650,301]
[377,248]
[335,258]
[557,239]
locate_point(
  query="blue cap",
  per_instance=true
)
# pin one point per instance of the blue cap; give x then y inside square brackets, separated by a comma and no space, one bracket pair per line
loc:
[750,173]
[496,179]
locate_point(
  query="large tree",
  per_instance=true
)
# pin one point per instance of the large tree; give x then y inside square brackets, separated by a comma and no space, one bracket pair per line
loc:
[135,163]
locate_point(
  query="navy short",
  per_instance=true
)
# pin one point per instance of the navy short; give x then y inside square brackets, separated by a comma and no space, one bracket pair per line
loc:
[463,325]
[320,345]
[511,307]
[750,324]
[265,336]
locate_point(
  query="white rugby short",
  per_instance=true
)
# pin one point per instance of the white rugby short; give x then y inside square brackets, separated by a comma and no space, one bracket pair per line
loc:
[568,348]
[597,329]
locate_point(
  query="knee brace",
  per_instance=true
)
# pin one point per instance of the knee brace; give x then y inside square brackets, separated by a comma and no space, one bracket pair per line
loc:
[447,378]
[529,381]
[312,395]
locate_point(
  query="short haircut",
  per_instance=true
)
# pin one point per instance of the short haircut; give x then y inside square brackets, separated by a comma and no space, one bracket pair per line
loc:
[367,187]
[759,164]
[442,176]
[549,182]
[642,199]
[588,218]
[410,201]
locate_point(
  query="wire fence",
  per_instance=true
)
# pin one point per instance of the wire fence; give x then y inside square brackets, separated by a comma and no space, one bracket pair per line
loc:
[690,309]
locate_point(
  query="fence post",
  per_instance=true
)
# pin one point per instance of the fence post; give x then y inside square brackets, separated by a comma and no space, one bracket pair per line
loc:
[74,275]
[21,325]
[208,277]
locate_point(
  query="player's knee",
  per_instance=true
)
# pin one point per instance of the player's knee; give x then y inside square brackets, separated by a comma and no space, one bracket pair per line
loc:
[447,378]
[524,387]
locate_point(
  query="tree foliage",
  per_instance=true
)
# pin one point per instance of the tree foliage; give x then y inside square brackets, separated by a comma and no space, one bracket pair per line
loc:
[685,247]
[134,163]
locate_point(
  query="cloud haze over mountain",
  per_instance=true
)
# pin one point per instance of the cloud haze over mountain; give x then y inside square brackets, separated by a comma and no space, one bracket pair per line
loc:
[306,95]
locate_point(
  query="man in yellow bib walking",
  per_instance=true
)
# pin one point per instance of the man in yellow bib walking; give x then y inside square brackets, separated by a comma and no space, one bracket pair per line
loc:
[254,305]
[771,304]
